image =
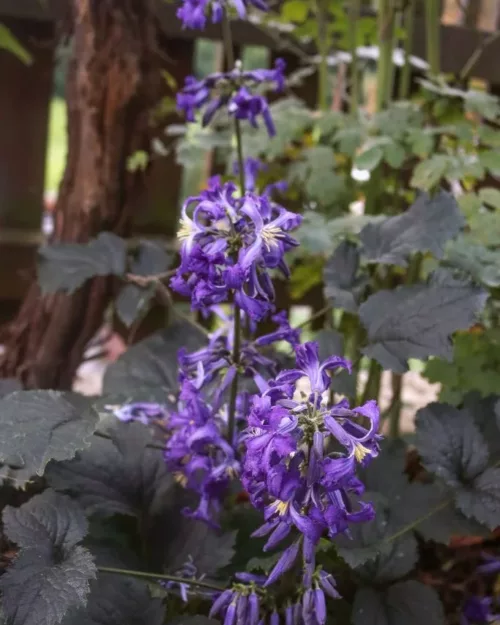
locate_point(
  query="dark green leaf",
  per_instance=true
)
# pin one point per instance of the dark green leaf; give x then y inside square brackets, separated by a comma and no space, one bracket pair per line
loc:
[369,552]
[405,603]
[426,226]
[66,266]
[428,173]
[51,574]
[207,549]
[119,476]
[37,426]
[152,259]
[153,362]
[116,600]
[417,321]
[450,444]
[481,498]
[342,286]
[330,343]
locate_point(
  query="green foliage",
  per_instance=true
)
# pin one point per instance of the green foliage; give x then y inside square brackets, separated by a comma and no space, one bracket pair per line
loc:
[475,366]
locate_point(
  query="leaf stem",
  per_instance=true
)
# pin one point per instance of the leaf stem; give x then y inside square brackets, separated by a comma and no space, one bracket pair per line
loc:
[313,317]
[394,410]
[407,528]
[158,576]
[372,388]
[386,40]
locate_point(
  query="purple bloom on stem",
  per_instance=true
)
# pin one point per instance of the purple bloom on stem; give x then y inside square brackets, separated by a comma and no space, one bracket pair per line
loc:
[229,90]
[192,13]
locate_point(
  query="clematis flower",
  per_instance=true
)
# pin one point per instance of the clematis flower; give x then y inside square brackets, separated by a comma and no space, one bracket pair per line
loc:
[228,245]
[478,611]
[193,13]
[293,470]
[231,91]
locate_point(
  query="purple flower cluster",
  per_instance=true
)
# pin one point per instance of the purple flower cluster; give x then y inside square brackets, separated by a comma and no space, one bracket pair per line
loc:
[233,91]
[212,366]
[228,247]
[482,610]
[193,13]
[246,604]
[197,453]
[301,456]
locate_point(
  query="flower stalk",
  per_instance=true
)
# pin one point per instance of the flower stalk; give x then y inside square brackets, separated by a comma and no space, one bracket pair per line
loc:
[433,30]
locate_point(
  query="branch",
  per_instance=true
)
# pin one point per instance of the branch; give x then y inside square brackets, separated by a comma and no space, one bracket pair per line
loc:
[476,55]
[160,576]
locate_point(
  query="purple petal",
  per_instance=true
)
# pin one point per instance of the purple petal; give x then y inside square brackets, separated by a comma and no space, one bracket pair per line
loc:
[284,564]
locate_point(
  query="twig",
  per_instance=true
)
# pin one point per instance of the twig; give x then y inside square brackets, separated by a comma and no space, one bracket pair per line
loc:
[144,281]
[476,55]
[312,318]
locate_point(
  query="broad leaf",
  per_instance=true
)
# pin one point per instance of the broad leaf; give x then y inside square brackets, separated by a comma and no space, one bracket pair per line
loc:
[330,342]
[37,426]
[342,286]
[481,498]
[153,362]
[66,266]
[426,226]
[207,549]
[408,603]
[151,260]
[417,321]
[453,448]
[116,600]
[51,574]
[118,476]
[369,551]
[450,444]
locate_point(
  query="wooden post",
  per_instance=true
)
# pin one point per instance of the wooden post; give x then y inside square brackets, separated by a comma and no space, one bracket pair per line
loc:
[25,93]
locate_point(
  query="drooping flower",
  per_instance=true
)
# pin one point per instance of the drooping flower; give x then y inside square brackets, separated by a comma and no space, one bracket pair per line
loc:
[228,245]
[193,13]
[197,453]
[479,611]
[231,91]
[301,455]
[213,367]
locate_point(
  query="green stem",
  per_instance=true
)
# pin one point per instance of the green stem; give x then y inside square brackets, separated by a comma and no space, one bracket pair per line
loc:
[157,576]
[372,388]
[323,49]
[433,30]
[409,25]
[233,393]
[353,17]
[394,411]
[385,19]
[234,386]
[313,317]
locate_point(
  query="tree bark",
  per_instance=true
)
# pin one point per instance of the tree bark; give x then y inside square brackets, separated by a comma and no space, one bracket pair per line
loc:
[113,81]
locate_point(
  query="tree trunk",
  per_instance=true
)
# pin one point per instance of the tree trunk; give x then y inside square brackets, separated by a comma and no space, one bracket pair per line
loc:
[113,81]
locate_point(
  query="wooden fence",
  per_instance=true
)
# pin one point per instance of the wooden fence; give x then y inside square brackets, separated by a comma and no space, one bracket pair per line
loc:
[25,94]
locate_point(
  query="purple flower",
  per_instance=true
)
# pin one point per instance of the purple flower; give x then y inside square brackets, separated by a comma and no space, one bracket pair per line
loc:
[228,245]
[198,454]
[293,469]
[192,13]
[478,611]
[143,412]
[308,365]
[240,605]
[230,90]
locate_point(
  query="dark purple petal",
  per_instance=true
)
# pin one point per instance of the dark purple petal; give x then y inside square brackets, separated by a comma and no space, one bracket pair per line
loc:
[284,564]
[222,600]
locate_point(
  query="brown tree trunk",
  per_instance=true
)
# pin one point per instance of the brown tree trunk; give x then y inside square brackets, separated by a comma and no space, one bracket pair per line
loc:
[113,80]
